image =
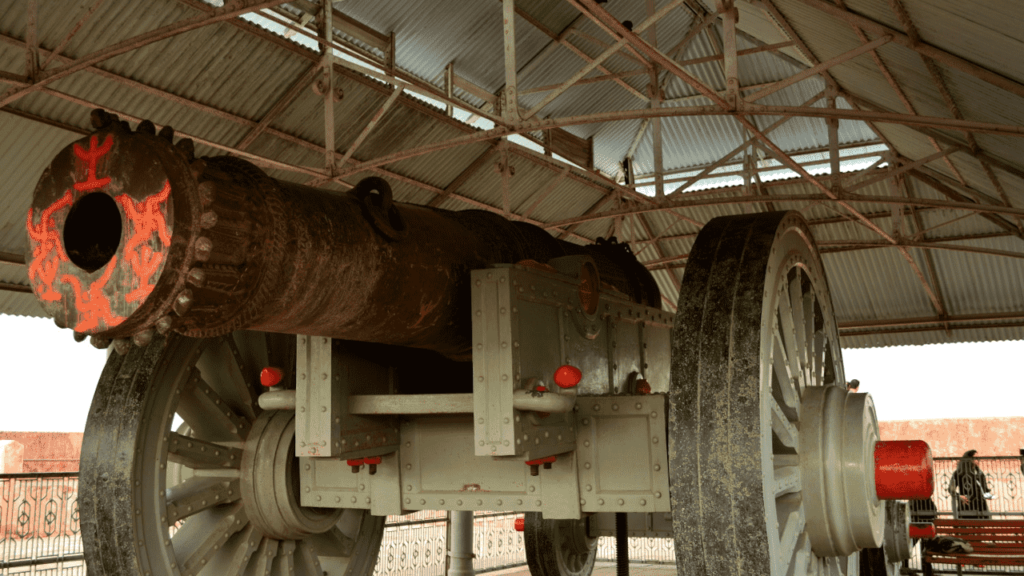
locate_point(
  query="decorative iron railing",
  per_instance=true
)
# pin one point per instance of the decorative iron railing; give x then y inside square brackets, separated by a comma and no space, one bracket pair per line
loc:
[39,530]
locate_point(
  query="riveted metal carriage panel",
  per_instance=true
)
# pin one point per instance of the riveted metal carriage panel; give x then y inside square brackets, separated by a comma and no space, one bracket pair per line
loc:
[330,483]
[655,352]
[527,322]
[638,524]
[437,474]
[327,374]
[624,362]
[622,453]
[494,356]
[315,399]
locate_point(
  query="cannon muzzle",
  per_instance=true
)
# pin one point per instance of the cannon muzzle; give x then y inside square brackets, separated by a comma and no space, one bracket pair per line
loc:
[129,233]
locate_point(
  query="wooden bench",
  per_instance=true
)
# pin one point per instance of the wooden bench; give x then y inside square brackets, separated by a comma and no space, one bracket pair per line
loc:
[995,542]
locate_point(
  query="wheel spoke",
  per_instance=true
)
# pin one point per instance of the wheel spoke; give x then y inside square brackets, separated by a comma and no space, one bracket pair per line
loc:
[818,362]
[810,333]
[284,564]
[201,455]
[803,558]
[787,480]
[306,560]
[782,429]
[787,327]
[221,365]
[236,553]
[203,535]
[333,543]
[792,522]
[796,304]
[197,494]
[206,412]
[264,558]
[784,386]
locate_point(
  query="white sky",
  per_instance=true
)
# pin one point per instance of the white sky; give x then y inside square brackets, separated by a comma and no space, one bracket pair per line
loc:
[48,378]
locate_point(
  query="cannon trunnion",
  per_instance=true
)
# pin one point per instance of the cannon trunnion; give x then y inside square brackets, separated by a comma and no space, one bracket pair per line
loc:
[296,364]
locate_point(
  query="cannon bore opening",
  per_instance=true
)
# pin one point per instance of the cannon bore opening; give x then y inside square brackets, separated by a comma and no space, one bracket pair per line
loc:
[92,232]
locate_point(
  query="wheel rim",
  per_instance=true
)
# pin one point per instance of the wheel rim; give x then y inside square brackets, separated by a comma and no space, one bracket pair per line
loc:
[558,547]
[754,329]
[198,498]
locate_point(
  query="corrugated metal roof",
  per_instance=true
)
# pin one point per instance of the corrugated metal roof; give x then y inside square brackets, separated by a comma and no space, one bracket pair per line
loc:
[235,77]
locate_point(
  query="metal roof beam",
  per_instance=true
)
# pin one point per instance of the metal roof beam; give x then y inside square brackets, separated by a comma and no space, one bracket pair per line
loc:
[887,74]
[542,195]
[827,247]
[954,109]
[900,187]
[71,34]
[980,155]
[753,110]
[136,42]
[326,22]
[597,61]
[31,41]
[611,32]
[746,199]
[562,39]
[279,107]
[840,59]
[459,180]
[931,179]
[927,321]
[923,48]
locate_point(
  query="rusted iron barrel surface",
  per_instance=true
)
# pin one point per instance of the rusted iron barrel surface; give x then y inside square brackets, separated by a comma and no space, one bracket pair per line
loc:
[129,233]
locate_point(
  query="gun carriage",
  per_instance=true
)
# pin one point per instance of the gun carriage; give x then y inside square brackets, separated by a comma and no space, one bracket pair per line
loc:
[292,365]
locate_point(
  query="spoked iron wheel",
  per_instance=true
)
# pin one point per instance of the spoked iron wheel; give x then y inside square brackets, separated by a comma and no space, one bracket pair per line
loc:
[754,342]
[217,495]
[558,547]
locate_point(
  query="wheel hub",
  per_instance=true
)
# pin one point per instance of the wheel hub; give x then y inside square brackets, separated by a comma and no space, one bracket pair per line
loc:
[270,481]
[837,439]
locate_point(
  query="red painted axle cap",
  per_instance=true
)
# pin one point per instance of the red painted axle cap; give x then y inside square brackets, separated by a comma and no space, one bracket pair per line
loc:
[520,524]
[568,376]
[903,470]
[271,376]
[922,530]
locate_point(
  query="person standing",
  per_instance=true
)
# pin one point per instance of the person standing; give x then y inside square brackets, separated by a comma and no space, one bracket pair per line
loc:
[853,385]
[968,489]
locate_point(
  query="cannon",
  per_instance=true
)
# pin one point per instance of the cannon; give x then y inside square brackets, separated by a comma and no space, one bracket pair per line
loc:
[292,365]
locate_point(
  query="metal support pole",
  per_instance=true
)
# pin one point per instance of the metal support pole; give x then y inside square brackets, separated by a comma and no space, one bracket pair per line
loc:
[460,549]
[511,105]
[833,144]
[327,31]
[621,545]
[655,95]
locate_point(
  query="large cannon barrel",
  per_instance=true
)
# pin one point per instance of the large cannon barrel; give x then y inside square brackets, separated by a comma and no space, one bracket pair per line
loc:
[129,233]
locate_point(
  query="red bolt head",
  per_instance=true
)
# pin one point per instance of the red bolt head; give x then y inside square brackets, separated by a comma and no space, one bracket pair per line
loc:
[271,376]
[643,387]
[355,462]
[568,376]
[520,524]
[371,460]
[903,470]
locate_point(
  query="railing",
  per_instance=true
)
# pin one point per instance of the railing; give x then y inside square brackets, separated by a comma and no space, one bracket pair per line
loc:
[40,533]
[39,530]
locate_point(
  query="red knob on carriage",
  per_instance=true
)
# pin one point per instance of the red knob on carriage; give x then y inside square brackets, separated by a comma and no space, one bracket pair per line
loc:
[520,524]
[568,376]
[903,470]
[271,376]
